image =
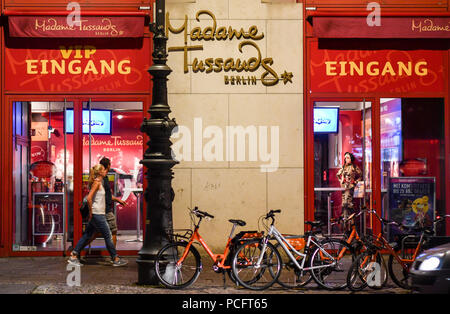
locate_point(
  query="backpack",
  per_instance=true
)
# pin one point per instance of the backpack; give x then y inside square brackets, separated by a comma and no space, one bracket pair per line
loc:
[84,209]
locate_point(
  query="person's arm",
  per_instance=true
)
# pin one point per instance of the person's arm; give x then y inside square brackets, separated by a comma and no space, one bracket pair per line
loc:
[118,200]
[358,176]
[339,175]
[90,196]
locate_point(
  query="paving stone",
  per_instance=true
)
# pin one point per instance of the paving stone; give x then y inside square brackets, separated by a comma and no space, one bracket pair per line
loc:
[48,275]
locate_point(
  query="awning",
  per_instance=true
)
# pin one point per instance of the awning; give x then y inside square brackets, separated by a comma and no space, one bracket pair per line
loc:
[89,27]
[391,27]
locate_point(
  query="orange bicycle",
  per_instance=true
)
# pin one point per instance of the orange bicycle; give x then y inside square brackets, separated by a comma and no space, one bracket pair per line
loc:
[178,264]
[351,237]
[359,246]
[366,267]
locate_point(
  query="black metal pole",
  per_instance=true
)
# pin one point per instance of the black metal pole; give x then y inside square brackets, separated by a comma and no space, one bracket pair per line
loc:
[158,159]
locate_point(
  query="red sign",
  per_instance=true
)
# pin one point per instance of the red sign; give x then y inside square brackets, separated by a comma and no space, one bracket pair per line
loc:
[42,169]
[391,27]
[79,67]
[48,213]
[365,71]
[88,26]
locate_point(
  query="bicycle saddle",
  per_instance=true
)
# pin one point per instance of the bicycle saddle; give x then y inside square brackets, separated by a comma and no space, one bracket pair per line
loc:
[315,223]
[238,222]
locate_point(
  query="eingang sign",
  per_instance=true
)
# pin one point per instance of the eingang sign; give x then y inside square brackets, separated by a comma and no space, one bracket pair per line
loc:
[77,67]
[365,71]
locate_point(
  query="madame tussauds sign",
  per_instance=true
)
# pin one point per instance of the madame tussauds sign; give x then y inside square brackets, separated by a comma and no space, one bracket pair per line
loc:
[234,67]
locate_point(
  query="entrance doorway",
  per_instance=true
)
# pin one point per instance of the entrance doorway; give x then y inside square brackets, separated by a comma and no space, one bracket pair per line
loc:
[114,133]
[342,127]
[44,139]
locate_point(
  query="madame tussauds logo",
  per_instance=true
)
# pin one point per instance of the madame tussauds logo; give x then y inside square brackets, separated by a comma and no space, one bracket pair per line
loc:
[217,33]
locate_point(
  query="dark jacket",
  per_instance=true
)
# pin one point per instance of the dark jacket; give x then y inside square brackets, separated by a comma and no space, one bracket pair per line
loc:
[108,195]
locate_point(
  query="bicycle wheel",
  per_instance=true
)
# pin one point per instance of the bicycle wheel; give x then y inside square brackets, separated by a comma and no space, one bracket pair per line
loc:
[368,269]
[175,276]
[250,275]
[228,263]
[398,274]
[330,263]
[291,277]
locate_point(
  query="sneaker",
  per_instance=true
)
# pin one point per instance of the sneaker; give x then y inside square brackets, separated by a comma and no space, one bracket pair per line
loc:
[108,260]
[74,261]
[120,262]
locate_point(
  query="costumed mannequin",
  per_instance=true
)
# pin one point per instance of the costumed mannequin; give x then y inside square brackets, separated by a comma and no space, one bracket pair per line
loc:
[348,176]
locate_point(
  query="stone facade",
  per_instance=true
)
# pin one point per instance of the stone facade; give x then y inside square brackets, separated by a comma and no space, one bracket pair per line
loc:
[237,74]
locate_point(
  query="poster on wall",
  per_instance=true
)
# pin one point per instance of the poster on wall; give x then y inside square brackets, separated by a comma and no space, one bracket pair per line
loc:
[412,201]
[48,214]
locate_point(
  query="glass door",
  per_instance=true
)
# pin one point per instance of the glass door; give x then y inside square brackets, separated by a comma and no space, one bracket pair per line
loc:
[111,130]
[342,161]
[42,176]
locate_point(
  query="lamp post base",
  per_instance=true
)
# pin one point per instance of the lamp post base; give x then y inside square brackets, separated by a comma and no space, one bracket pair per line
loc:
[146,272]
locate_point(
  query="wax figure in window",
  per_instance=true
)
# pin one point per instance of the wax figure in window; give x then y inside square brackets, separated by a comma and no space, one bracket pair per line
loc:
[348,176]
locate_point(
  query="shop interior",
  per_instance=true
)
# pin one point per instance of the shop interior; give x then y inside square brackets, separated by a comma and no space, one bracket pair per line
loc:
[412,159]
[43,171]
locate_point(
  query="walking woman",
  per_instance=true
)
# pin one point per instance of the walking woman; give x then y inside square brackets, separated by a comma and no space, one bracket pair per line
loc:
[97,218]
[348,176]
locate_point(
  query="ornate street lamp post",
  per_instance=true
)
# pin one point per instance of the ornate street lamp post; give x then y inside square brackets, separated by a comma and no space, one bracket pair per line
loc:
[157,158]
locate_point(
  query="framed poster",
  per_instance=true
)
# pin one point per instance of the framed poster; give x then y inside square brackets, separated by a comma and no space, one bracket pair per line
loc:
[48,213]
[412,201]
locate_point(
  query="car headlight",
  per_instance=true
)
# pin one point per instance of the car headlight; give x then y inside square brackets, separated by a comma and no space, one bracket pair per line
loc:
[431,263]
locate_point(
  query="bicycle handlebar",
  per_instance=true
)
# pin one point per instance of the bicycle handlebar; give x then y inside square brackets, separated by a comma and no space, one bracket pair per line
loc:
[400,225]
[200,213]
[441,218]
[385,221]
[272,213]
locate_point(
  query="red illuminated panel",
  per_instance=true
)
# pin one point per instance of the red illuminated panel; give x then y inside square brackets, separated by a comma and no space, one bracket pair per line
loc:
[364,71]
[83,3]
[385,3]
[89,26]
[119,65]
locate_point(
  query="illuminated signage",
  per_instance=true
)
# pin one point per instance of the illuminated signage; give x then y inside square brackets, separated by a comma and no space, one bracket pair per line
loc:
[74,62]
[234,67]
[326,120]
[101,121]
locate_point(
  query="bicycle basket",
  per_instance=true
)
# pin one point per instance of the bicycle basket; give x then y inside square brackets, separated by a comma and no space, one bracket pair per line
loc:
[245,236]
[296,243]
[372,242]
[176,235]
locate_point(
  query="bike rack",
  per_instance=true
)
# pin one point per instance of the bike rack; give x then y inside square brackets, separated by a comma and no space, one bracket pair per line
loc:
[176,235]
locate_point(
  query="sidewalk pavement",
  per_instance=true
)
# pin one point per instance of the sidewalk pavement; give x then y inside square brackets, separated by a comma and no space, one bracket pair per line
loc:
[48,275]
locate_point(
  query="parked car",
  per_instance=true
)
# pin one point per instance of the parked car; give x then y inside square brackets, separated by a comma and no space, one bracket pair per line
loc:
[430,273]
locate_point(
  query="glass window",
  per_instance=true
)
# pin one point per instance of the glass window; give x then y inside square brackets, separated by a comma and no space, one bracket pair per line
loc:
[340,128]
[42,175]
[412,160]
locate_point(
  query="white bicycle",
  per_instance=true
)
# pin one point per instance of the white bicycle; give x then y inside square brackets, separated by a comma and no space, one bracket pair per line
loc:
[257,264]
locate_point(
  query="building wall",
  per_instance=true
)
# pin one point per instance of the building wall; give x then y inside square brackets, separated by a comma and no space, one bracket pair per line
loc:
[205,105]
